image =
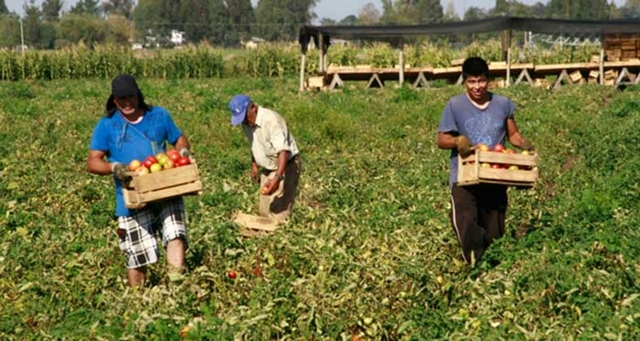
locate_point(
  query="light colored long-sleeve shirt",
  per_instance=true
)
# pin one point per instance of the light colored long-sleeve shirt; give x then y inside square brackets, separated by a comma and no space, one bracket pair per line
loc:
[268,138]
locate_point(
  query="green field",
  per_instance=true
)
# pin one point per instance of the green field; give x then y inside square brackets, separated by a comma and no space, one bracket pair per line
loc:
[369,251]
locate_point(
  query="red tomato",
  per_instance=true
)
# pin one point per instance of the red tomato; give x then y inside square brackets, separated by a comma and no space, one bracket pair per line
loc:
[148,162]
[174,155]
[232,274]
[498,148]
[183,161]
[496,166]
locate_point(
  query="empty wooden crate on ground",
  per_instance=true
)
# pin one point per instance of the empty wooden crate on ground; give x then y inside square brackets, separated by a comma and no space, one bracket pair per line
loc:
[168,183]
[515,169]
[252,225]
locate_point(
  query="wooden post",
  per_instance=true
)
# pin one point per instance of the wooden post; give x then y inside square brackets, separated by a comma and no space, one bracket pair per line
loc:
[321,53]
[508,80]
[303,63]
[505,42]
[601,66]
[401,63]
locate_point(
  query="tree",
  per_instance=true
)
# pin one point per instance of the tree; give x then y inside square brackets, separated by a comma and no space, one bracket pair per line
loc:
[3,8]
[349,20]
[474,13]
[88,7]
[503,7]
[280,19]
[241,17]
[51,9]
[630,10]
[154,19]
[411,12]
[195,19]
[450,12]
[537,10]
[119,7]
[369,15]
[87,29]
[147,18]
[429,11]
[327,22]
[32,23]
[220,32]
[118,30]
[578,9]
[9,30]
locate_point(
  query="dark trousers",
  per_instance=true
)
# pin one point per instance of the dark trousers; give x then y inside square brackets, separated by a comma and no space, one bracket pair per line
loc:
[478,215]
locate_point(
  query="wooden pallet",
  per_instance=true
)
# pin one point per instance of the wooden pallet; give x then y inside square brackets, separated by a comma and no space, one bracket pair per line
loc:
[477,168]
[178,181]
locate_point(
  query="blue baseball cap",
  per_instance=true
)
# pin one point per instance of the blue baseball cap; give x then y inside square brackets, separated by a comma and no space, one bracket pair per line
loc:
[238,106]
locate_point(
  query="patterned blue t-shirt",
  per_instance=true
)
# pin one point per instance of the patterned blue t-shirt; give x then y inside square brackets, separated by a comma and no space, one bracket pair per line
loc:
[124,142]
[488,126]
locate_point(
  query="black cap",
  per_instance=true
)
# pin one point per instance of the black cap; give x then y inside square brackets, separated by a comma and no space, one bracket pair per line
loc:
[123,86]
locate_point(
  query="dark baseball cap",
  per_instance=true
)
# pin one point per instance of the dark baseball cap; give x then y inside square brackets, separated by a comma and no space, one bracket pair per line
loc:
[123,86]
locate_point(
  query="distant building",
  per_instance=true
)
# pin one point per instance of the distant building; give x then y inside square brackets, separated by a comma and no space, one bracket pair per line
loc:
[253,43]
[340,42]
[177,37]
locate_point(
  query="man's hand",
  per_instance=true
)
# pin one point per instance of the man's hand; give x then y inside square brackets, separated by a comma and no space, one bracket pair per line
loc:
[120,172]
[255,172]
[526,145]
[270,186]
[185,152]
[463,145]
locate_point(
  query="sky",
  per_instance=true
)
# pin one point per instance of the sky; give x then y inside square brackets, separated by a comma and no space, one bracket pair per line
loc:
[332,9]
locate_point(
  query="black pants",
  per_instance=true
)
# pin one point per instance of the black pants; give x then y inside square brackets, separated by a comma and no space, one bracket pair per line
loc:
[478,215]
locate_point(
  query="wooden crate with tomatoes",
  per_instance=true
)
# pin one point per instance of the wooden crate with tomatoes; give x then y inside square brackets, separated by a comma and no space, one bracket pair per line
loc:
[507,167]
[149,184]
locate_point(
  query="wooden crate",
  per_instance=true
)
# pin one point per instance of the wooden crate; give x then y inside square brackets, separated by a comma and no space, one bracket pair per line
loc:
[252,225]
[575,76]
[178,181]
[316,82]
[476,169]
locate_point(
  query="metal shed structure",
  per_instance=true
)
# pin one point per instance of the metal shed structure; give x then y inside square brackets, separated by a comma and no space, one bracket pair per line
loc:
[321,36]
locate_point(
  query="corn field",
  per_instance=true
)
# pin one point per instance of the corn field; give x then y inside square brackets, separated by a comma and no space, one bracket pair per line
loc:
[270,60]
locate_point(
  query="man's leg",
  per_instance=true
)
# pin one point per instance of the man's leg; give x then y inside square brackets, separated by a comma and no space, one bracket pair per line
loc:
[175,253]
[282,203]
[493,208]
[138,242]
[464,218]
[137,276]
[174,235]
[264,201]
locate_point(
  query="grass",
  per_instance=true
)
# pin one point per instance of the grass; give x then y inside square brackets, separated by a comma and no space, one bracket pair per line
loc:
[369,252]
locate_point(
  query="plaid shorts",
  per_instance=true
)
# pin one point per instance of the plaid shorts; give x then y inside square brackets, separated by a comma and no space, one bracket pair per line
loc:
[137,233]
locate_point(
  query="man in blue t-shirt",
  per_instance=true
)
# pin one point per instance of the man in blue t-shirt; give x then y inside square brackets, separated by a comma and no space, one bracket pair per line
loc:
[133,130]
[475,117]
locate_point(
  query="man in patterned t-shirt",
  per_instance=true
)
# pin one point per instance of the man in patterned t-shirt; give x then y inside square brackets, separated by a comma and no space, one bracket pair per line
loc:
[477,116]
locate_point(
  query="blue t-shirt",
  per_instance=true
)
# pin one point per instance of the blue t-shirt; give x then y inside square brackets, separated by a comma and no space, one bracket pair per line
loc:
[124,141]
[488,126]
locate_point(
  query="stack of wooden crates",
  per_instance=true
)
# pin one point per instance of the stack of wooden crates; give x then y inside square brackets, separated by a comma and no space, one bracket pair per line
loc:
[621,46]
